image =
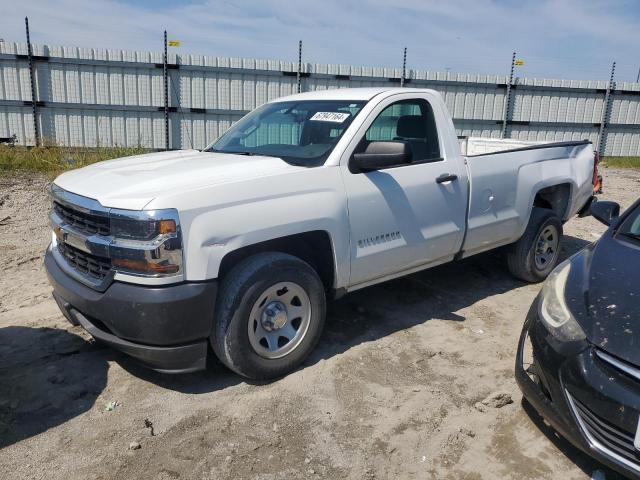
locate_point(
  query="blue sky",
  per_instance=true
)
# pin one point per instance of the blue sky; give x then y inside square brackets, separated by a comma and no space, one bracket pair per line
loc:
[557,38]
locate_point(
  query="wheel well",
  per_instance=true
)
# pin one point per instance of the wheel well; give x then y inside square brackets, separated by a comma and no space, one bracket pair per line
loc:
[555,197]
[312,247]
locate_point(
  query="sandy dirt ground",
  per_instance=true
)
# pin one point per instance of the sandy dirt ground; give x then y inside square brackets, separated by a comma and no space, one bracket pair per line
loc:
[388,394]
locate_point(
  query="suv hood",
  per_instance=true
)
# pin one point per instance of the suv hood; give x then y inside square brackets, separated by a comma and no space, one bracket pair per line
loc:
[611,283]
[133,182]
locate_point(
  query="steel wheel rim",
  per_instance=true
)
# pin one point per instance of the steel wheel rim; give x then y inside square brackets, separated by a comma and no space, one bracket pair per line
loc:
[279,320]
[546,247]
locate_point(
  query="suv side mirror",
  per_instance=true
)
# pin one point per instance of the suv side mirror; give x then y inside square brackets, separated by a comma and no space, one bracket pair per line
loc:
[380,155]
[605,211]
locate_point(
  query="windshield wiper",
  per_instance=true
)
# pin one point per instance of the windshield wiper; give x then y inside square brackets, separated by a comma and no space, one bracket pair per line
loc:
[248,154]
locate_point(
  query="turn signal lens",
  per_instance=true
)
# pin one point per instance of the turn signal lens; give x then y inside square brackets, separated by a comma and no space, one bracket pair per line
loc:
[143,266]
[166,226]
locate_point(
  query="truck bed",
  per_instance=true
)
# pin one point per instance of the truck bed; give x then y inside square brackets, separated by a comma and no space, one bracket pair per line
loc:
[502,186]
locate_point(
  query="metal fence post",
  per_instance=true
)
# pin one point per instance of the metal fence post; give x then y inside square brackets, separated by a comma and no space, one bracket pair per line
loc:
[404,67]
[166,94]
[606,111]
[299,76]
[507,100]
[34,100]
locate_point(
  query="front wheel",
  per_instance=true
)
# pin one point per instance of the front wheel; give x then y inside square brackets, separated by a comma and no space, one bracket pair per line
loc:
[270,315]
[536,253]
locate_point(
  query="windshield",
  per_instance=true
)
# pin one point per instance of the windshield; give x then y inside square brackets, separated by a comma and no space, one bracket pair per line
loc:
[631,225]
[299,132]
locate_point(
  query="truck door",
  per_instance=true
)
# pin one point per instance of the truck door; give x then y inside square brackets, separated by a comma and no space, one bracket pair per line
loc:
[408,216]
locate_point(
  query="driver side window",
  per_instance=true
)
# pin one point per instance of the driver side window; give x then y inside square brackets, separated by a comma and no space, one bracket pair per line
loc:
[411,121]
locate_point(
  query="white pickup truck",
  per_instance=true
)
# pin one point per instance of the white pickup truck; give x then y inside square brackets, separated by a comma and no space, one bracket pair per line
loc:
[308,197]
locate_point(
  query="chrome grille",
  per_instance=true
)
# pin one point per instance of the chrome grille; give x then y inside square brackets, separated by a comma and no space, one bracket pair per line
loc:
[92,265]
[605,436]
[81,221]
[625,367]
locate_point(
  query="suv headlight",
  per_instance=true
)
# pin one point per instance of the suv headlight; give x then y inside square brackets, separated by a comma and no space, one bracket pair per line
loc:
[553,307]
[146,243]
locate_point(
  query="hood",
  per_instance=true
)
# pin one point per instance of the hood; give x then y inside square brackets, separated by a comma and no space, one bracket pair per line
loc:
[133,182]
[611,290]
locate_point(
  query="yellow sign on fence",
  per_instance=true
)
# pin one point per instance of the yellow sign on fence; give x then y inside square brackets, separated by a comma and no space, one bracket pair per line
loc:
[173,43]
[518,62]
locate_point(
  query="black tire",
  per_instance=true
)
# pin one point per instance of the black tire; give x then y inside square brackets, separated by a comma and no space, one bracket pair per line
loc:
[521,256]
[240,290]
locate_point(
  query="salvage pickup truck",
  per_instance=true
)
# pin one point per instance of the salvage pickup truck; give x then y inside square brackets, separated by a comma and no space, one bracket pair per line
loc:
[236,248]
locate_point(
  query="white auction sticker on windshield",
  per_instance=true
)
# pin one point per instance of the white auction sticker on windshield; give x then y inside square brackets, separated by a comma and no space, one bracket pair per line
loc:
[336,117]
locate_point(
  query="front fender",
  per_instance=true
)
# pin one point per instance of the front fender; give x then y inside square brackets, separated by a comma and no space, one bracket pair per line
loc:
[222,219]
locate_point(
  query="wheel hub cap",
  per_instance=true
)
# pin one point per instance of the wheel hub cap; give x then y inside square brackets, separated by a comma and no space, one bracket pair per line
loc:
[274,316]
[546,247]
[279,320]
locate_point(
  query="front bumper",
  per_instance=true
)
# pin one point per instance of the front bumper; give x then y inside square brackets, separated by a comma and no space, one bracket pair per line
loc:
[166,328]
[578,376]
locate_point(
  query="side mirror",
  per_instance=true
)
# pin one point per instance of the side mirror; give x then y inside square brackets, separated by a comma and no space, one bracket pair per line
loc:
[380,155]
[605,211]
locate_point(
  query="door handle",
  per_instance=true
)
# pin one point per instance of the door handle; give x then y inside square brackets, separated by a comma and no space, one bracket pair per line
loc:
[446,177]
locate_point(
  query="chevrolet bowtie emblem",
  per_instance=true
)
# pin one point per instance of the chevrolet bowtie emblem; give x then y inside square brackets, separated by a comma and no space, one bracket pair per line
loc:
[60,235]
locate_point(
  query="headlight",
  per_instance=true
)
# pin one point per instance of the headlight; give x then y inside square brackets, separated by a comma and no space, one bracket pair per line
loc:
[553,308]
[139,229]
[146,243]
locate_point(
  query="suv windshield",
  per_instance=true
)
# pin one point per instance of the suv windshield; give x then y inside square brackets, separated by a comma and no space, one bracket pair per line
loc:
[299,132]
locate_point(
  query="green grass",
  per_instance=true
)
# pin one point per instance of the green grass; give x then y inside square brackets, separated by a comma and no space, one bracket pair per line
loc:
[52,160]
[621,162]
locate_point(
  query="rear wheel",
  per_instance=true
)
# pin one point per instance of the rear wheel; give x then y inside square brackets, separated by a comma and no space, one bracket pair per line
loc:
[270,315]
[536,253]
